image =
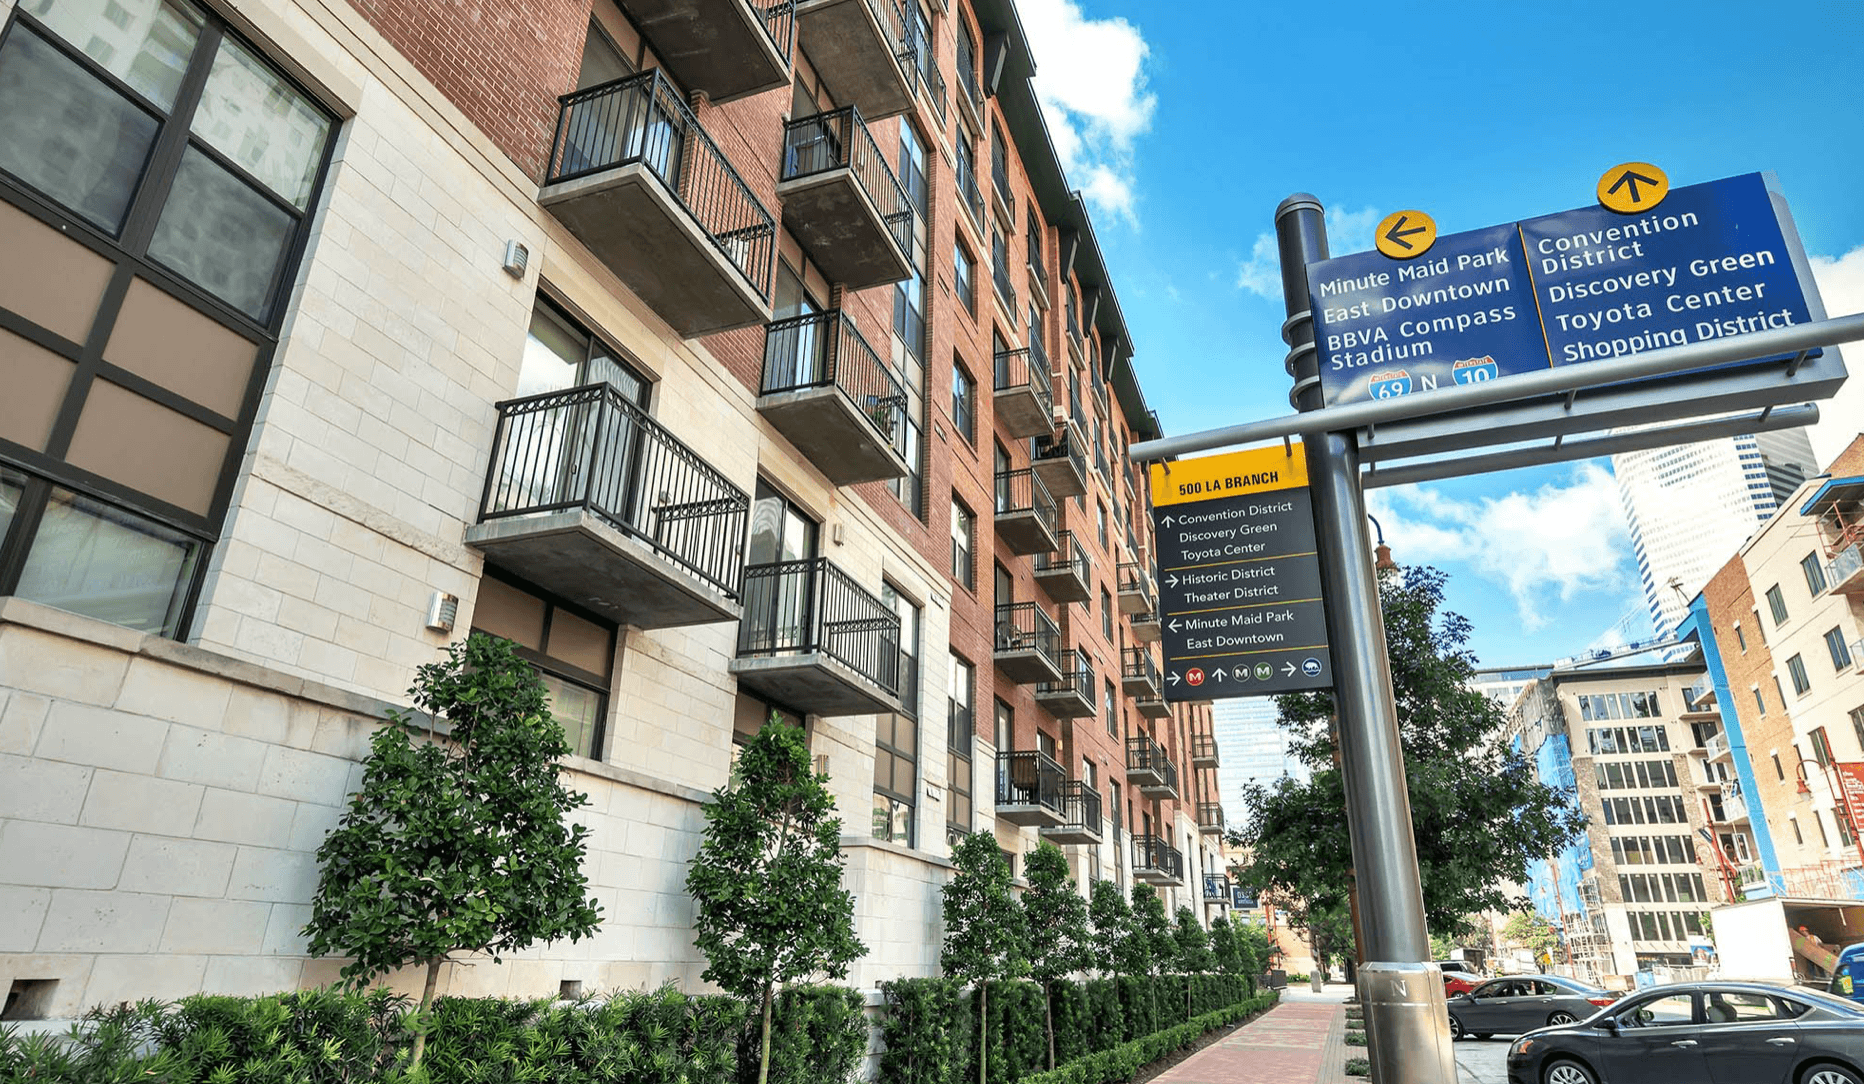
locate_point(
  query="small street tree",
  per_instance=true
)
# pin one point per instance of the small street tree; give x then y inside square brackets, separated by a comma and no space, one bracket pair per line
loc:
[1226,951]
[767,878]
[986,937]
[1110,915]
[1059,943]
[1148,947]
[1191,951]
[456,843]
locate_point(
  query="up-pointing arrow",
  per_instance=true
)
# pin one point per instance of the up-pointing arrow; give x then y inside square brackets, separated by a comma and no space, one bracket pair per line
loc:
[1218,674]
[1166,520]
[1632,178]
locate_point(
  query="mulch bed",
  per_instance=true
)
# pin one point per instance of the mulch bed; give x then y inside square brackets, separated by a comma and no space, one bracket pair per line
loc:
[1147,1072]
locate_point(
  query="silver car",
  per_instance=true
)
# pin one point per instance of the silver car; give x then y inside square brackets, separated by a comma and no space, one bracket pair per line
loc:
[1518,1003]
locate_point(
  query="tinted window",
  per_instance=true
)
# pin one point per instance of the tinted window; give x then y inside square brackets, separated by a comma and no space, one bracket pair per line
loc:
[1658,1012]
[1720,1007]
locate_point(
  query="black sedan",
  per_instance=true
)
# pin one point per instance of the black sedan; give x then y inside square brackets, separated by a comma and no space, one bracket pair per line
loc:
[1713,1032]
[1516,1003]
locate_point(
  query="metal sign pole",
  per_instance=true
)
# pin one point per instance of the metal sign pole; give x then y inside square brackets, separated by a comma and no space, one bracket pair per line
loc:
[1407,1023]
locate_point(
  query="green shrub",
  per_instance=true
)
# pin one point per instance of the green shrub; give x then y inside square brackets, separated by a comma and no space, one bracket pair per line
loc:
[817,1034]
[916,1033]
[1120,1063]
[1358,1067]
[1355,1038]
[654,1037]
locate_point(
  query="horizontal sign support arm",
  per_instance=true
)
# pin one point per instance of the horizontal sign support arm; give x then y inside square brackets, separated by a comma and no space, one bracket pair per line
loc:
[1562,451]
[1652,363]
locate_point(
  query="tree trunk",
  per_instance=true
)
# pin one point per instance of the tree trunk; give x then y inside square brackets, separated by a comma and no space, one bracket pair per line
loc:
[983,1027]
[1187,996]
[763,1058]
[427,1002]
[1048,1020]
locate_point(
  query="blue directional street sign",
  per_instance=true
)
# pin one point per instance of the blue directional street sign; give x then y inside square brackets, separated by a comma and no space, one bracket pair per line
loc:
[1709,261]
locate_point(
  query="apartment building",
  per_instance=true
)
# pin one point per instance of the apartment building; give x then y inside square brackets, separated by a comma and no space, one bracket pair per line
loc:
[686,345]
[1784,618]
[1626,738]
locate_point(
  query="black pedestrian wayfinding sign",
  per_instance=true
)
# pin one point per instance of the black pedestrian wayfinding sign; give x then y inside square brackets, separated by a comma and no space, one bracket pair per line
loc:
[1239,576]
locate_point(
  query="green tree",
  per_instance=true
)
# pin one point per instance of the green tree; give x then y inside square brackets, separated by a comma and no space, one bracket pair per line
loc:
[767,878]
[1329,932]
[1226,949]
[1057,921]
[456,844]
[1110,915]
[1529,930]
[1479,815]
[986,936]
[1191,950]
[1148,946]
[1258,952]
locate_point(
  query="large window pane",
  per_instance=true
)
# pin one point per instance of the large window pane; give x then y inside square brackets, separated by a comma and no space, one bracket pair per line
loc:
[95,560]
[578,710]
[145,43]
[256,119]
[223,235]
[10,486]
[68,135]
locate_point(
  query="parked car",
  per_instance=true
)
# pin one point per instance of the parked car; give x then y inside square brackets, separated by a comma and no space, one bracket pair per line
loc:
[1717,1032]
[1462,966]
[1517,1003]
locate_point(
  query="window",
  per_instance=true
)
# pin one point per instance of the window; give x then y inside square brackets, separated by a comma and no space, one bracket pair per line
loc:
[574,652]
[963,531]
[1857,725]
[1776,603]
[964,402]
[1005,728]
[960,727]
[1815,574]
[1821,747]
[1758,627]
[1796,667]
[1100,524]
[1841,655]
[1779,770]
[1106,613]
[1113,711]
[1798,836]
[1759,700]
[964,276]
[896,738]
[913,171]
[1741,637]
[1778,692]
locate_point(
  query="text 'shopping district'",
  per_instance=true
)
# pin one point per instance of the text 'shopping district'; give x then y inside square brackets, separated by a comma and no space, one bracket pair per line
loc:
[1709,261]
[1239,576]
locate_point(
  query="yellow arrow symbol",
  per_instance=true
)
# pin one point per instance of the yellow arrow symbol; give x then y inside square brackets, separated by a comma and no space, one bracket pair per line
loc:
[1633,188]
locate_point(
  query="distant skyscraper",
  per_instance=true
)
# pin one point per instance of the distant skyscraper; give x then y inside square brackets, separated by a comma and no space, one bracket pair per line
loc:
[1254,748]
[1691,506]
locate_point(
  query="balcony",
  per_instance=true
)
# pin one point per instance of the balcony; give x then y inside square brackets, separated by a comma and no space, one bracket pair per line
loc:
[1038,277]
[1210,818]
[833,397]
[1058,460]
[970,196]
[1065,572]
[1139,675]
[816,641]
[1716,746]
[591,499]
[1149,769]
[1136,593]
[1734,805]
[860,48]
[1025,513]
[635,178]
[1072,695]
[1080,812]
[1029,788]
[1216,888]
[1000,278]
[1845,575]
[1157,862]
[1025,401]
[970,95]
[1147,628]
[843,202]
[1153,707]
[1204,751]
[1857,656]
[1028,645]
[726,48]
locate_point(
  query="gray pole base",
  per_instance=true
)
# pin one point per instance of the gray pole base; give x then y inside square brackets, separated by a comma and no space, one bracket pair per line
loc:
[1407,1024]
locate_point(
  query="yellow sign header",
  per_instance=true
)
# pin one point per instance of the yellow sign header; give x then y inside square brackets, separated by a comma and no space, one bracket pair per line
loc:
[1231,474]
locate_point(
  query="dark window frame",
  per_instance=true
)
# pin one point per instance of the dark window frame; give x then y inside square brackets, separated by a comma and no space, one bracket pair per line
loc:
[602,685]
[964,401]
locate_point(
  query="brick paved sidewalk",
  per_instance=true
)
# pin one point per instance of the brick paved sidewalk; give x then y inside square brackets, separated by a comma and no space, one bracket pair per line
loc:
[1296,1042]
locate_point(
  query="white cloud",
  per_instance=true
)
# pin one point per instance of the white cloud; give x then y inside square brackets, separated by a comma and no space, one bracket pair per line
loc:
[1347,231]
[1543,546]
[1841,286]
[1091,81]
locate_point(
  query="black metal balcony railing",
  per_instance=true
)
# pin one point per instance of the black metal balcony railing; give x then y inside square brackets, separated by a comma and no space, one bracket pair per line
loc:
[591,448]
[1000,277]
[840,139]
[1038,357]
[968,191]
[1138,666]
[1100,460]
[643,119]
[1077,677]
[780,24]
[1000,171]
[1022,626]
[826,350]
[1069,556]
[1216,887]
[967,75]
[1074,406]
[1026,368]
[1061,446]
[1210,815]
[1080,806]
[1203,747]
[808,606]
[1145,755]
[1074,314]
[1153,853]
[1133,577]
[1029,778]
[1022,491]
[1035,250]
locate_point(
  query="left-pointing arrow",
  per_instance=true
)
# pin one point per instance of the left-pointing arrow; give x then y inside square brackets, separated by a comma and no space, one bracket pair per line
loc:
[1397,234]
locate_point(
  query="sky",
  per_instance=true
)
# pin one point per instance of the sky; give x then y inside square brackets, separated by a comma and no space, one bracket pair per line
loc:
[1186,123]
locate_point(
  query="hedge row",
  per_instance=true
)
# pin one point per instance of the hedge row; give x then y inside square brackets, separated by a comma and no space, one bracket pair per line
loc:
[819,1036]
[930,1027]
[1120,1063]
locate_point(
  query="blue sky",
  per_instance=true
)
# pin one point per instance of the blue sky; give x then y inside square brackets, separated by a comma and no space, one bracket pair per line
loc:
[1187,122]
